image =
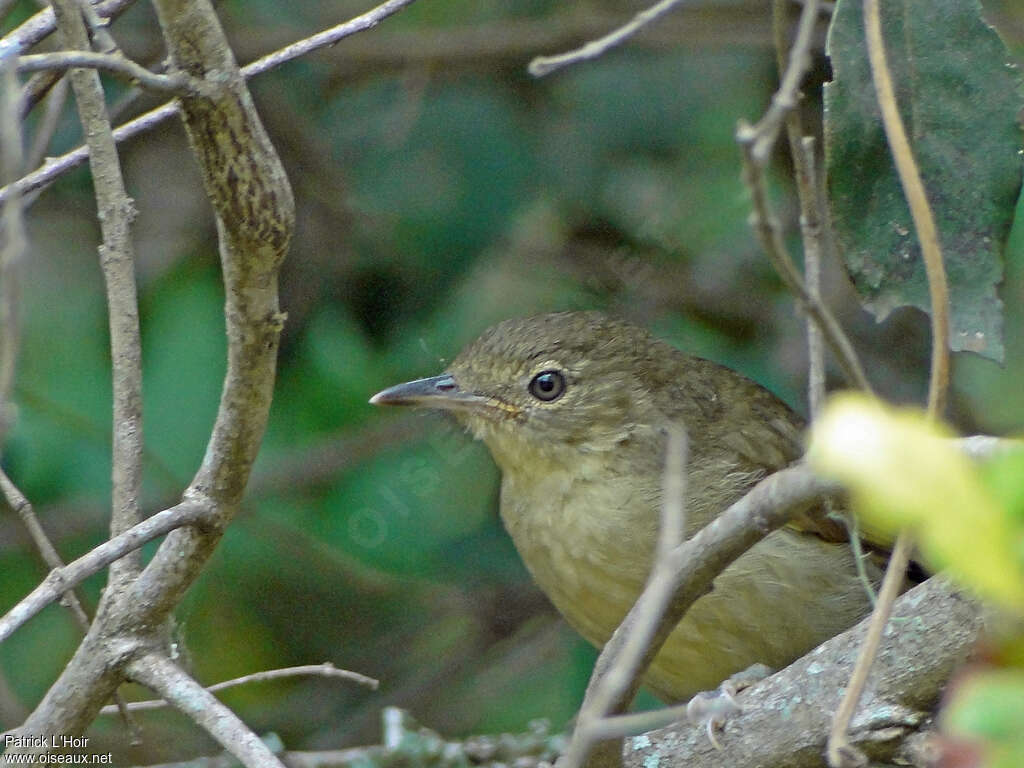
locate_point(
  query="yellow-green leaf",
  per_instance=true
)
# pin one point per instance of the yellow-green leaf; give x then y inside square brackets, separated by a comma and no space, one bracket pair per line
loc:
[904,472]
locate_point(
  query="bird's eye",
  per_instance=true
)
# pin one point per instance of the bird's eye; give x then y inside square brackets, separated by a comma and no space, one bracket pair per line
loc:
[547,385]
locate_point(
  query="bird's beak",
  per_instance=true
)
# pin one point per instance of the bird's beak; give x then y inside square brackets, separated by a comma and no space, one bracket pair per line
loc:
[436,392]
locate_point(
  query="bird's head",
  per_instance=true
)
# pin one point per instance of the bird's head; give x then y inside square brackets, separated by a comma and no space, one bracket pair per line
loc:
[546,388]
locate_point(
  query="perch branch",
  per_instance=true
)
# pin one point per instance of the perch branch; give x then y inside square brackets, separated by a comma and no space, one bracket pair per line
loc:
[940,627]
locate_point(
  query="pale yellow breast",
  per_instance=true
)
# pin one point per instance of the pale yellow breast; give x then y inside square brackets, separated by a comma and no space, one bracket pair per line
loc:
[588,545]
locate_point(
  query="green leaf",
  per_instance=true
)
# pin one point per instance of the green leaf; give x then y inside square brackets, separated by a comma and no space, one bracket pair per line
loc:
[959,99]
[905,473]
[988,707]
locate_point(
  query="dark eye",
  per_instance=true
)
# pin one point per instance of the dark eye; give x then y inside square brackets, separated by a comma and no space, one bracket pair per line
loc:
[547,385]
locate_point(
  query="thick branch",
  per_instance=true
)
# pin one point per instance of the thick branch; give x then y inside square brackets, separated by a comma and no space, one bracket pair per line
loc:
[786,718]
[249,191]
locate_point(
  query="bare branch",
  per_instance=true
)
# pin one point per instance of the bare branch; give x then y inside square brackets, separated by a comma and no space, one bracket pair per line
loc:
[545,65]
[14,245]
[308,670]
[939,628]
[42,25]
[97,25]
[250,194]
[330,36]
[606,692]
[840,752]
[756,143]
[116,64]
[117,259]
[47,127]
[57,167]
[23,508]
[812,214]
[694,564]
[94,561]
[163,676]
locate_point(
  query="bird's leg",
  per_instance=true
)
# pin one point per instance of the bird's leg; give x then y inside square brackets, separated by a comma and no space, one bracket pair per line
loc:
[714,708]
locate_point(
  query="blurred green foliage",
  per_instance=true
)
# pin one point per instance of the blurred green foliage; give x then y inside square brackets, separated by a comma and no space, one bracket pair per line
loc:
[439,189]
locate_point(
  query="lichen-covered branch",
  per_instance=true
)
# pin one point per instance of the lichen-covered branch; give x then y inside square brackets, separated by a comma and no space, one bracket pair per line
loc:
[247,186]
[785,718]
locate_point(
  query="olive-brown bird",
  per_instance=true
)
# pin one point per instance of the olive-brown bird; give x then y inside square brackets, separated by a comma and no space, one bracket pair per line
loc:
[573,407]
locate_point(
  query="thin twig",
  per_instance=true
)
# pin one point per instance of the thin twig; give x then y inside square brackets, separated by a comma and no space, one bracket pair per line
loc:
[839,751]
[41,25]
[756,143]
[47,127]
[308,670]
[40,84]
[58,166]
[801,150]
[14,245]
[95,560]
[177,83]
[811,236]
[115,212]
[786,98]
[617,726]
[163,676]
[545,65]
[920,210]
[97,25]
[609,684]
[23,508]
[368,20]
[766,226]
[35,90]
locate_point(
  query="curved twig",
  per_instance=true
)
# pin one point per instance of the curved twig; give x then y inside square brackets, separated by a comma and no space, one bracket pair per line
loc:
[839,751]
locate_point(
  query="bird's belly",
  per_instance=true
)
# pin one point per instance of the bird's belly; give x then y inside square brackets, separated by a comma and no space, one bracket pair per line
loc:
[783,597]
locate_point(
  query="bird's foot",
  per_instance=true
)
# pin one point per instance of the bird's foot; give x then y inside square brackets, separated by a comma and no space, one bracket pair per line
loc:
[714,708]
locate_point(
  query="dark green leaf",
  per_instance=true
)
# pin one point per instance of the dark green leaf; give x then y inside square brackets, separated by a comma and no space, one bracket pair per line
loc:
[959,100]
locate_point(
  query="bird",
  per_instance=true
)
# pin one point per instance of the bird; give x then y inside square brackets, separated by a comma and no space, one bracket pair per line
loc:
[574,408]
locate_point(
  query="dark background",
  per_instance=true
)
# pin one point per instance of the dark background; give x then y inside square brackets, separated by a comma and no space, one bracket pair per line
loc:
[439,189]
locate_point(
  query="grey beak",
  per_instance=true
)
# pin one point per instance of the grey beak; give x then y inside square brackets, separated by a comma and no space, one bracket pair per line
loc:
[436,392]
